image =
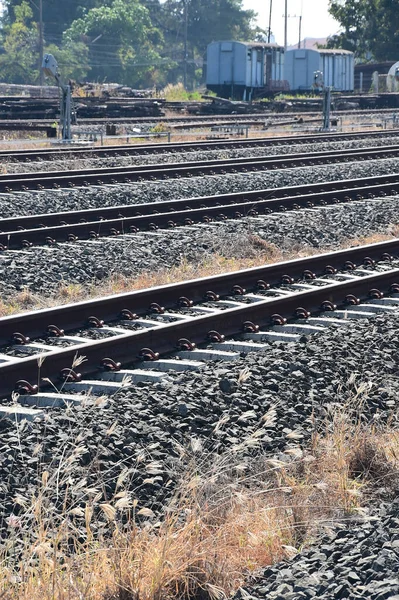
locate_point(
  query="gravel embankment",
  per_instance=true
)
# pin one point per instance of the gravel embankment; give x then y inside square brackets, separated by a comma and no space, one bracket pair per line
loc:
[138,431]
[357,559]
[26,203]
[42,269]
[191,155]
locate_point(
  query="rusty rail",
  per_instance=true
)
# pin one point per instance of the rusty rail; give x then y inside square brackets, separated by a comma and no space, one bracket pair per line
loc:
[126,348]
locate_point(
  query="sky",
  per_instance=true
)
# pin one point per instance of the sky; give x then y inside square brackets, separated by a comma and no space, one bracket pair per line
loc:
[316,20]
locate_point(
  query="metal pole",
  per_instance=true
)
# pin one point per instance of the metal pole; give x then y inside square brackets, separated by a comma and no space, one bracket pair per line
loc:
[67,116]
[286,26]
[300,31]
[41,43]
[270,22]
[185,43]
[326,108]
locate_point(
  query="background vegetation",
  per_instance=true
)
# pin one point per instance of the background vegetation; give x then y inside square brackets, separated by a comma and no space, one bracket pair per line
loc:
[369,28]
[139,43]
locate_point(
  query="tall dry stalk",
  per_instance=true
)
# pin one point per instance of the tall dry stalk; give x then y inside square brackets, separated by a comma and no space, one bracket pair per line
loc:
[230,514]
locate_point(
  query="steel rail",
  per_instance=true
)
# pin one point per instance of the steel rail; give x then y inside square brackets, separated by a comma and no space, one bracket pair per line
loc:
[126,210]
[19,232]
[82,177]
[159,148]
[126,348]
[197,119]
[73,316]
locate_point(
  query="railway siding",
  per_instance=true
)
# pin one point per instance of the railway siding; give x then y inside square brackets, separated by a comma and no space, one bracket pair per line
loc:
[297,381]
[148,339]
[113,195]
[111,390]
[44,269]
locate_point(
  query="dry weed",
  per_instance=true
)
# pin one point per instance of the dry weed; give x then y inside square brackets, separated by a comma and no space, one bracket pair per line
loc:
[231,514]
[242,252]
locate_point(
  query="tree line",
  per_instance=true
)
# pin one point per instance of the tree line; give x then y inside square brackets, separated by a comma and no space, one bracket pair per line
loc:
[146,43]
[369,28]
[140,43]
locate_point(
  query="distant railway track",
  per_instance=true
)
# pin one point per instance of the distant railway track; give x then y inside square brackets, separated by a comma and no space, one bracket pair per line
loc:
[51,228]
[142,334]
[85,177]
[187,121]
[160,148]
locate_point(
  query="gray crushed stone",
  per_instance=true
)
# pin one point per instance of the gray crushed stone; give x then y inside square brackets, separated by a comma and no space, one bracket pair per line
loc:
[43,269]
[26,203]
[191,155]
[142,426]
[354,559]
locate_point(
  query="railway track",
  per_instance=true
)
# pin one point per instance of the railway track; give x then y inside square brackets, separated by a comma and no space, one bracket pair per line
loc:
[86,177]
[141,335]
[51,228]
[190,120]
[58,357]
[160,148]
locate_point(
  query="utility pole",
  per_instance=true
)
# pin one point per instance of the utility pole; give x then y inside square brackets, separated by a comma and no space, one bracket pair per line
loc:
[286,26]
[270,22]
[300,31]
[41,42]
[185,43]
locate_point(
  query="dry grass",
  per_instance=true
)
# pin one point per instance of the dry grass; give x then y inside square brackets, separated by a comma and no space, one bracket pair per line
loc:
[231,515]
[230,255]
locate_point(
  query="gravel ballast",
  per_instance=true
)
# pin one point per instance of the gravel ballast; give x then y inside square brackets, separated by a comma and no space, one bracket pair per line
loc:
[26,203]
[43,269]
[88,162]
[139,430]
[358,559]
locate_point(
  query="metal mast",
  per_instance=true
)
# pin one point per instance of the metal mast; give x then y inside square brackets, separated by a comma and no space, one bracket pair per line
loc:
[50,69]
[286,26]
[270,22]
[185,43]
[41,43]
[300,31]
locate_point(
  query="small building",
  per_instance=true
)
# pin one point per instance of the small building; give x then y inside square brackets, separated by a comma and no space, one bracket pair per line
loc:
[244,70]
[337,67]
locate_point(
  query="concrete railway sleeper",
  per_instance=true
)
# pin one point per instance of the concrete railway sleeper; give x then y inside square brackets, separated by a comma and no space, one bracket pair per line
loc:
[142,335]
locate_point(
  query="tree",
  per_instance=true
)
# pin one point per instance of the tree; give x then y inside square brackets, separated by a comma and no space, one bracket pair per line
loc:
[19,61]
[72,59]
[57,15]
[370,28]
[207,20]
[122,42]
[133,42]
[385,32]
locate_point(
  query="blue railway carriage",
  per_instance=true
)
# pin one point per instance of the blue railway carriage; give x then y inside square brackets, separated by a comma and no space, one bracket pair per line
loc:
[245,70]
[337,66]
